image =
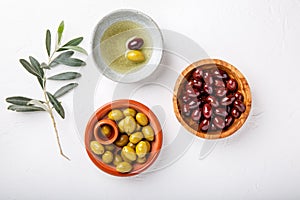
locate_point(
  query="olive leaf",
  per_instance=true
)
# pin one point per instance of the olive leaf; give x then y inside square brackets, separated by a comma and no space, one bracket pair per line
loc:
[48,42]
[57,105]
[18,100]
[19,108]
[65,76]
[45,66]
[29,67]
[41,82]
[72,62]
[37,66]
[65,89]
[60,31]
[74,42]
[60,57]
[76,48]
[37,103]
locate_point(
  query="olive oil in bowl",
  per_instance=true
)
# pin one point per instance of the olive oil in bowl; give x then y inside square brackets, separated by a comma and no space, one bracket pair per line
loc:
[113,46]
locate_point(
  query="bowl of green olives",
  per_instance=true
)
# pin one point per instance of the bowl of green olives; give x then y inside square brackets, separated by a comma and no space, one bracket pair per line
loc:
[138,142]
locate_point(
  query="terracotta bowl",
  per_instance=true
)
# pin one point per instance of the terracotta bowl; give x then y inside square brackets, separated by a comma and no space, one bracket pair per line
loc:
[102,113]
[243,88]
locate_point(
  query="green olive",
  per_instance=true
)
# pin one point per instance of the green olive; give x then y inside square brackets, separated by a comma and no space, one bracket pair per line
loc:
[107,157]
[122,140]
[129,153]
[129,124]
[110,147]
[115,115]
[129,112]
[142,119]
[131,145]
[138,127]
[96,147]
[106,130]
[148,146]
[121,126]
[117,159]
[148,133]
[135,56]
[124,167]
[136,137]
[124,158]
[141,160]
[141,149]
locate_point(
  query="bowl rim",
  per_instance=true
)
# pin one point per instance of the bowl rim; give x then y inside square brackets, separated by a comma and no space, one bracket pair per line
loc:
[245,86]
[119,104]
[140,74]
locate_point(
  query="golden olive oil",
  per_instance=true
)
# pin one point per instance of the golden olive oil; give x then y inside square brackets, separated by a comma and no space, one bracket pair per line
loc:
[113,46]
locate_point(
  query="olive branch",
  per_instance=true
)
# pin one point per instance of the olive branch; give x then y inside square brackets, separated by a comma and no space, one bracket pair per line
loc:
[62,54]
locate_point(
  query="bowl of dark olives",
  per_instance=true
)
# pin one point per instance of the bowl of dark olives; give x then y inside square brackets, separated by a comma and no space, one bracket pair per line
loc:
[138,142]
[212,99]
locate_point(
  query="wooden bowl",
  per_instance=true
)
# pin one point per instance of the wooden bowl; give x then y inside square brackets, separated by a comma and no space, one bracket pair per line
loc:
[243,88]
[101,113]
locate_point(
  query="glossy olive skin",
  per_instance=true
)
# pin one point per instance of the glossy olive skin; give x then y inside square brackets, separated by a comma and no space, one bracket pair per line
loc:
[141,149]
[131,145]
[135,44]
[109,147]
[141,160]
[129,153]
[221,111]
[196,115]
[122,140]
[106,130]
[135,56]
[239,96]
[229,121]
[142,119]
[212,101]
[121,126]
[97,148]
[148,133]
[239,105]
[194,103]
[204,124]
[117,160]
[198,74]
[186,110]
[124,167]
[129,124]
[107,157]
[219,122]
[227,100]
[206,111]
[129,112]
[148,146]
[235,113]
[232,85]
[115,115]
[136,137]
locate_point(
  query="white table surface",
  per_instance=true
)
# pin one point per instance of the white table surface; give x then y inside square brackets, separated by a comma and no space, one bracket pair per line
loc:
[261,161]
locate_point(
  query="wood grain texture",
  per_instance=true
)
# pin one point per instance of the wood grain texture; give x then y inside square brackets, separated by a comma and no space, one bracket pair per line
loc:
[243,87]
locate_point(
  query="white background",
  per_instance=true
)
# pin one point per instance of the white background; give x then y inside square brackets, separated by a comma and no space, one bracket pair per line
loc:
[260,37]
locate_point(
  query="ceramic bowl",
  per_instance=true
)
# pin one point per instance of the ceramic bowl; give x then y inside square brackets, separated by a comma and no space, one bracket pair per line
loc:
[146,23]
[243,88]
[101,113]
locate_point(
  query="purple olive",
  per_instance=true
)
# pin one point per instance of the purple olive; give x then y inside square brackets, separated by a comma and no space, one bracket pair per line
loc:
[231,85]
[198,74]
[212,101]
[194,103]
[204,124]
[239,105]
[192,93]
[227,100]
[135,44]
[186,110]
[219,83]
[235,113]
[239,96]
[221,91]
[208,78]
[206,110]
[208,89]
[221,111]
[218,73]
[229,120]
[196,115]
[185,98]
[219,122]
